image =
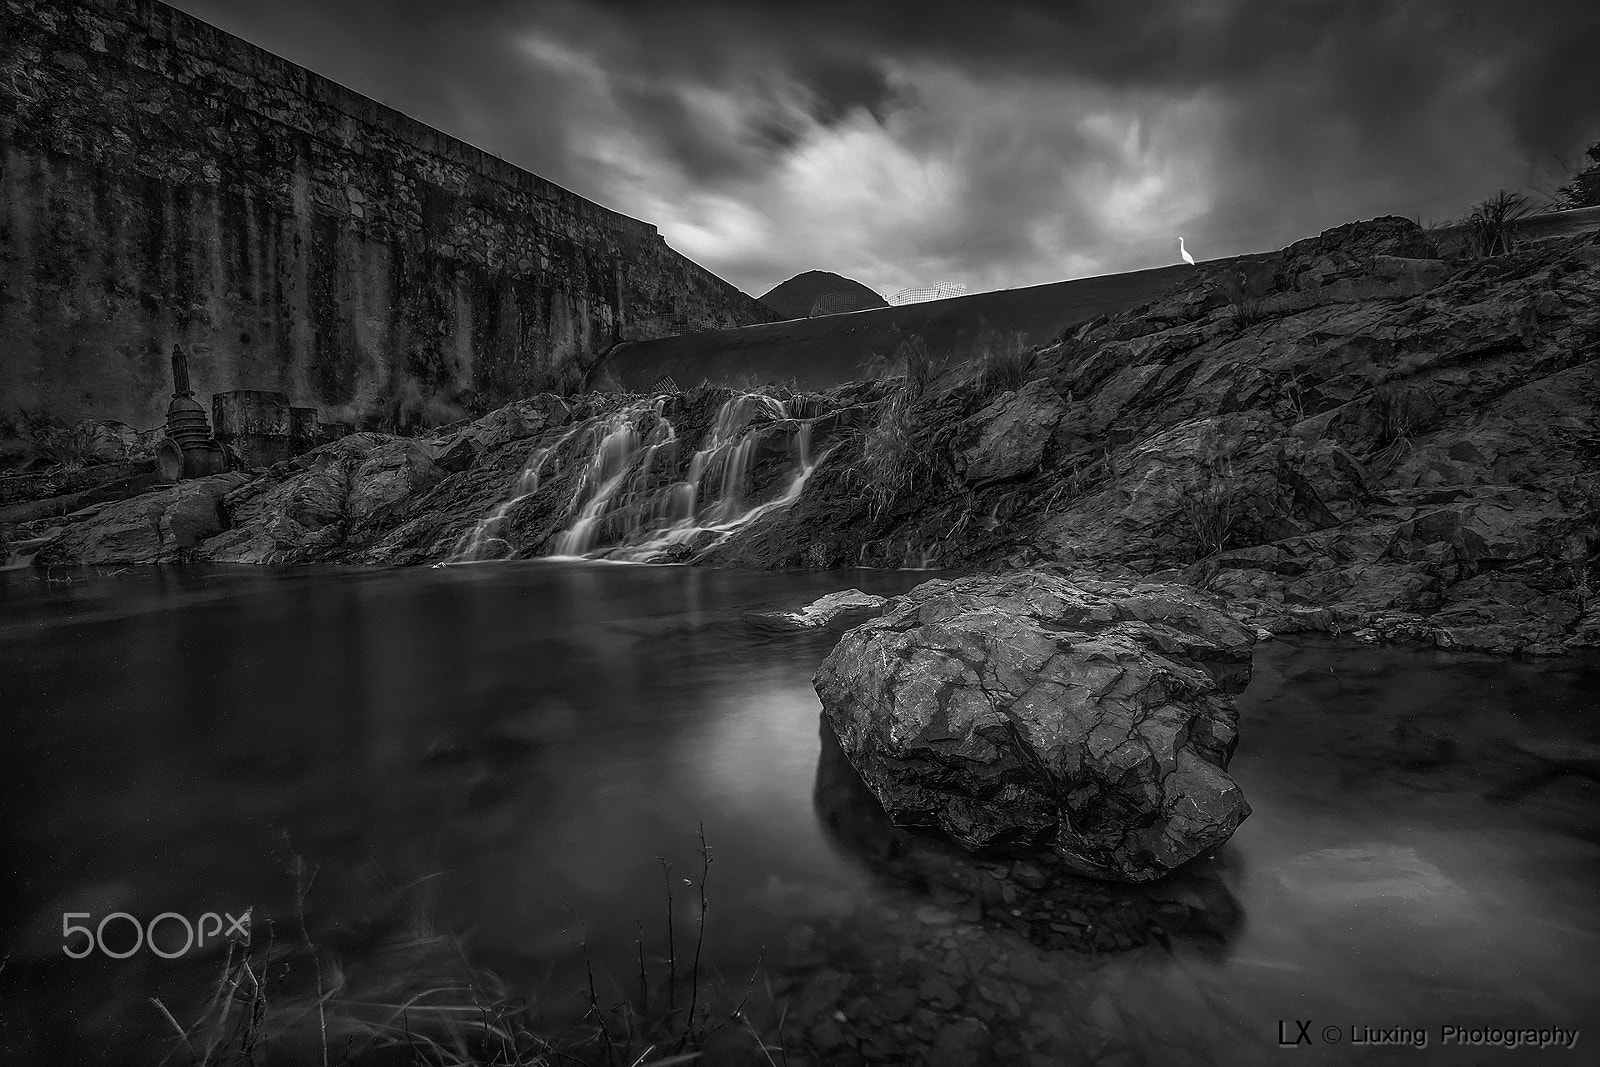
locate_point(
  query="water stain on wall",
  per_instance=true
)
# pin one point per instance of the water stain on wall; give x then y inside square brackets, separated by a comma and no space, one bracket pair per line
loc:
[163,182]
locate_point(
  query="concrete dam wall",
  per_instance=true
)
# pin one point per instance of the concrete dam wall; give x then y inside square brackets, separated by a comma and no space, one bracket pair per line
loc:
[816,353]
[162,182]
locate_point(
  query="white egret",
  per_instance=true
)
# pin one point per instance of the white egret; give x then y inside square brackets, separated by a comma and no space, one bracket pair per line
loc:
[1184,252]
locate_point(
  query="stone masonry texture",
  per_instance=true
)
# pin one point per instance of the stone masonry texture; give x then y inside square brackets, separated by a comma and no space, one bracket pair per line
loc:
[164,182]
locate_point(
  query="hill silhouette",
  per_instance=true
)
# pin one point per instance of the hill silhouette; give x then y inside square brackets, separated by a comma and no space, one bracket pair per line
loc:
[798,297]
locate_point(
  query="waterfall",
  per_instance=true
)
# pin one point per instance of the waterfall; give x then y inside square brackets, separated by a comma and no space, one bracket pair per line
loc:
[18,555]
[626,494]
[615,486]
[484,540]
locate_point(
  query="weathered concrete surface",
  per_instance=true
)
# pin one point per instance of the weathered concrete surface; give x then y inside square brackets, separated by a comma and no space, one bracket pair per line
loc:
[162,181]
[822,352]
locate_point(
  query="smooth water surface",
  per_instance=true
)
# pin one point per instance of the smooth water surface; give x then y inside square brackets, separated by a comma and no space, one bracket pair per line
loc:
[507,749]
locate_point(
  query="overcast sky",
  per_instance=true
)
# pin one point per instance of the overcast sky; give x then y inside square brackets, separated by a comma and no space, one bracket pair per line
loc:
[989,143]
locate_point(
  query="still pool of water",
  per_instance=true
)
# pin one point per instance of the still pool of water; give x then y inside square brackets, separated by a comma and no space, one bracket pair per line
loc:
[502,752]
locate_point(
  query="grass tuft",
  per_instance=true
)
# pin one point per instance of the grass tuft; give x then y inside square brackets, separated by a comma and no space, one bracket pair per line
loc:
[1397,413]
[895,461]
[427,1004]
[1491,225]
[1212,505]
[1004,366]
[1246,290]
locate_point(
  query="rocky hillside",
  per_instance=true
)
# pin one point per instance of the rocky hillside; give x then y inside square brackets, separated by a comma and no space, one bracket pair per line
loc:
[797,297]
[1351,436]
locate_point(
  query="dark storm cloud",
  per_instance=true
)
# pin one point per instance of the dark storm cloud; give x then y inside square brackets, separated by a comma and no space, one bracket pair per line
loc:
[1001,143]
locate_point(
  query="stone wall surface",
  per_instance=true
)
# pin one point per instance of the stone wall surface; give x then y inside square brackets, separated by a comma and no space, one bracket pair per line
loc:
[164,182]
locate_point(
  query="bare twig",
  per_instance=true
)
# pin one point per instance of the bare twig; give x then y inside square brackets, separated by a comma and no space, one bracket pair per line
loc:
[302,886]
[700,935]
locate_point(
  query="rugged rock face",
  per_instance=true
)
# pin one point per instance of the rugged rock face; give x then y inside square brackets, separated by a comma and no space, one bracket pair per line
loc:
[320,498]
[1013,432]
[1027,711]
[157,527]
[1348,437]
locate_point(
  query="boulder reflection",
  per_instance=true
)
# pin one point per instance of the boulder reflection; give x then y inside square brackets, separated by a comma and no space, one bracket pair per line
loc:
[1033,896]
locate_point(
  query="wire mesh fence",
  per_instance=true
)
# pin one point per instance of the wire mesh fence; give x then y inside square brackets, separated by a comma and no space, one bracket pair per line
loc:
[936,291]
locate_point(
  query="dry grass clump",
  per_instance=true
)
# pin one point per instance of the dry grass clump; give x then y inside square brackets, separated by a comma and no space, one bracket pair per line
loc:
[1246,291]
[1397,413]
[1212,510]
[1212,505]
[422,1002]
[1491,225]
[1004,365]
[896,461]
[1434,244]
[70,449]
[44,439]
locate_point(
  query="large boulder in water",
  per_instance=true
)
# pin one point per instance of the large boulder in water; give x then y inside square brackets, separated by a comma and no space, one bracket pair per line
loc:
[1028,711]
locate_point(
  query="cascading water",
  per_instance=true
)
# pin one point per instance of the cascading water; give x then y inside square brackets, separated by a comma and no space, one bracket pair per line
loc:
[632,499]
[485,542]
[18,555]
[616,486]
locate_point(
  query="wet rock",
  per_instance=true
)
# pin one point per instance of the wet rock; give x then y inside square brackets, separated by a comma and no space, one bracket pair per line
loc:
[518,421]
[1013,433]
[1374,440]
[458,455]
[106,483]
[307,507]
[1502,613]
[836,612]
[1028,711]
[1193,905]
[156,527]
[17,489]
[1026,874]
